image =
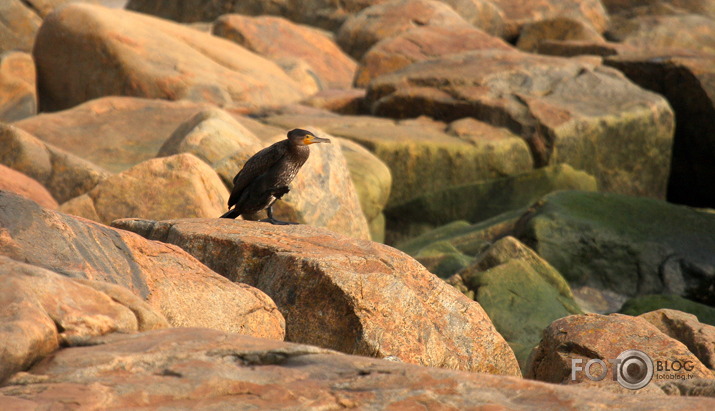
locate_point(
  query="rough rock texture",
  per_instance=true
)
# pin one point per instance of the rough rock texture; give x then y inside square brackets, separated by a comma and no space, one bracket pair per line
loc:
[210,135]
[43,310]
[684,327]
[628,245]
[647,303]
[371,177]
[131,54]
[339,293]
[168,187]
[17,86]
[28,187]
[687,31]
[521,293]
[700,387]
[558,28]
[605,337]
[286,43]
[422,43]
[365,28]
[421,156]
[689,85]
[64,175]
[480,201]
[195,368]
[568,110]
[517,13]
[640,7]
[113,132]
[185,291]
[482,14]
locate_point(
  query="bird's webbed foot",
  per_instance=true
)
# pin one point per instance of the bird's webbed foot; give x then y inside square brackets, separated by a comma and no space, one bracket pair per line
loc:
[274,221]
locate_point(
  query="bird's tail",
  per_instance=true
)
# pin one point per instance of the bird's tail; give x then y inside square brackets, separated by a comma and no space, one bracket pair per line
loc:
[232,213]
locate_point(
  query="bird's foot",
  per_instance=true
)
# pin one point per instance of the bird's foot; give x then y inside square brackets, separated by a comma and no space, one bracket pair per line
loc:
[277,222]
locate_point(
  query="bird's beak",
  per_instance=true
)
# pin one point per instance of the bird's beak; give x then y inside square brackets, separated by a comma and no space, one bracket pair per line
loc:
[311,139]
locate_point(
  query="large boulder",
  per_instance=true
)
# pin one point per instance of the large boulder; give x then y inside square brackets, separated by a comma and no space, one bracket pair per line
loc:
[521,293]
[626,245]
[168,187]
[20,24]
[43,310]
[517,13]
[28,187]
[340,293]
[196,368]
[557,28]
[480,201]
[17,86]
[130,54]
[606,337]
[568,110]
[684,327]
[654,302]
[288,44]
[421,43]
[641,7]
[689,85]
[113,132]
[687,31]
[483,14]
[383,20]
[185,291]
[63,174]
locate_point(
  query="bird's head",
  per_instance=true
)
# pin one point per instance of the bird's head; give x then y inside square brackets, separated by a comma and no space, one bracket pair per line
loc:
[302,137]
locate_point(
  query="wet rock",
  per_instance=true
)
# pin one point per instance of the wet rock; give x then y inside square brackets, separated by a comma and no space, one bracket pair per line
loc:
[380,21]
[131,54]
[422,43]
[17,86]
[18,183]
[185,291]
[168,187]
[653,302]
[684,327]
[196,368]
[567,110]
[521,293]
[518,13]
[280,40]
[595,336]
[64,175]
[628,245]
[339,293]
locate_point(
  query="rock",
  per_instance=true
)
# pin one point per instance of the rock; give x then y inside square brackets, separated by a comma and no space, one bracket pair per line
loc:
[169,187]
[419,44]
[558,28]
[573,48]
[421,156]
[210,135]
[17,86]
[517,13]
[689,31]
[482,14]
[131,54]
[185,291]
[640,7]
[115,133]
[480,201]
[25,186]
[647,303]
[521,293]
[383,20]
[338,101]
[339,293]
[605,337]
[568,111]
[688,84]
[196,368]
[700,387]
[684,327]
[371,177]
[43,310]
[628,245]
[64,175]
[19,26]
[279,40]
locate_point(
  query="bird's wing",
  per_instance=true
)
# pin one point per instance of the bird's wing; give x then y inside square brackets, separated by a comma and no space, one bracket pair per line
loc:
[254,167]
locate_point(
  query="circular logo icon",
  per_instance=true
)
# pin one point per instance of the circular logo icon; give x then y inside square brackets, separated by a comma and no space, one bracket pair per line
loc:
[635,369]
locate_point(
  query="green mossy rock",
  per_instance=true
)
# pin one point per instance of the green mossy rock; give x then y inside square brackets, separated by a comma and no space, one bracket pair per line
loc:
[628,245]
[648,303]
[521,293]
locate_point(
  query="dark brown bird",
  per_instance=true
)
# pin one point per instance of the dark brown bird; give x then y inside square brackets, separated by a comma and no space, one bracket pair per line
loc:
[265,176]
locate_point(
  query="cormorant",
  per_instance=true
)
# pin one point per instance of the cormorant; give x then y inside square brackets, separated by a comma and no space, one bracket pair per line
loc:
[265,176]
